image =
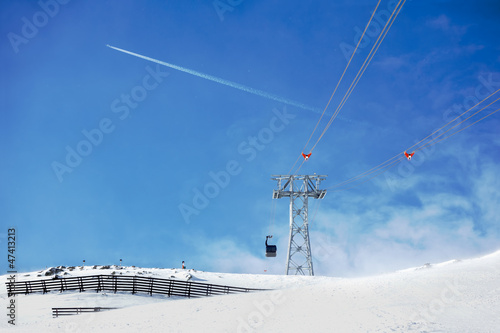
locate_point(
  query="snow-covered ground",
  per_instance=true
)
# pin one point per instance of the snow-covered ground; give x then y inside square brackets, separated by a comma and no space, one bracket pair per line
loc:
[455,296]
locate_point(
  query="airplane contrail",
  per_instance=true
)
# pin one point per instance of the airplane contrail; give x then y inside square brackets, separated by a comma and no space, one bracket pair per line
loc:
[225,82]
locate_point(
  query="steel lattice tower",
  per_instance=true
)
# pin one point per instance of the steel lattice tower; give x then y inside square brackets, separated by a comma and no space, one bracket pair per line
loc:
[299,189]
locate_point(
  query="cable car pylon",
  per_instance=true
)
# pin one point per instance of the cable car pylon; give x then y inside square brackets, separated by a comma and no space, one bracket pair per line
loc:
[299,188]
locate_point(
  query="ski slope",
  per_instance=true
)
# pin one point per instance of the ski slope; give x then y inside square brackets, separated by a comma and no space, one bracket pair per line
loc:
[455,296]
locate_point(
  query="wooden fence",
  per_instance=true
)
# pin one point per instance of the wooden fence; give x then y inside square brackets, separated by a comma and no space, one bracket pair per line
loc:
[56,312]
[115,283]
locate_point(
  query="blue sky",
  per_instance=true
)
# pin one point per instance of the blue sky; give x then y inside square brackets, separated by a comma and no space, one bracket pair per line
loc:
[149,138]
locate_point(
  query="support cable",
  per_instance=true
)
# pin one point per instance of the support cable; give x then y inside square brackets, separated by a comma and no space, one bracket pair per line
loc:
[338,83]
[363,67]
[384,166]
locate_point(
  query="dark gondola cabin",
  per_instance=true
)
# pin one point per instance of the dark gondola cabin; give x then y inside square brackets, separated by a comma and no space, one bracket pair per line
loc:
[270,249]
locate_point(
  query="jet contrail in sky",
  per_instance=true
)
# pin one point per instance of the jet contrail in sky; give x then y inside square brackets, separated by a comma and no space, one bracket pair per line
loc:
[225,82]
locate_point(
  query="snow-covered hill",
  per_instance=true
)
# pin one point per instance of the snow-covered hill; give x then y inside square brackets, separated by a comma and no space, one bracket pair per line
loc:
[456,296]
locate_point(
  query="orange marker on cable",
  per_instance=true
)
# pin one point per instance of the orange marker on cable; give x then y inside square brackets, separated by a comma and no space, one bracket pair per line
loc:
[409,156]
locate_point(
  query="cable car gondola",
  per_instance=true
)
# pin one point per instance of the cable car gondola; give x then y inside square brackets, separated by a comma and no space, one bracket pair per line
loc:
[270,249]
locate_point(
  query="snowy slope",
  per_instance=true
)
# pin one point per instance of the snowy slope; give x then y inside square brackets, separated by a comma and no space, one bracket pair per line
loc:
[456,296]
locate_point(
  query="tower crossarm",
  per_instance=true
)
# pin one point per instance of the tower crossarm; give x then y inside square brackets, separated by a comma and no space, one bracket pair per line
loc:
[310,186]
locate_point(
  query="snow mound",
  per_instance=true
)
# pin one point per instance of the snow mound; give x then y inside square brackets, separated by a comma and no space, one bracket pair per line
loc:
[455,296]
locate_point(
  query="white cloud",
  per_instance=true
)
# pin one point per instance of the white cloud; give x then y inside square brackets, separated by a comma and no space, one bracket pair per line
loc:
[376,235]
[226,255]
[443,23]
[392,63]
[487,194]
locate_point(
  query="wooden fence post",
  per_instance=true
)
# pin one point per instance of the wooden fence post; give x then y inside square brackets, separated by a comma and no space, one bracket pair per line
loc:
[80,284]
[151,286]
[28,287]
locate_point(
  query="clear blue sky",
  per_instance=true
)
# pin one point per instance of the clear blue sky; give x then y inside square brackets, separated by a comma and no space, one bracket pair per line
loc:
[149,137]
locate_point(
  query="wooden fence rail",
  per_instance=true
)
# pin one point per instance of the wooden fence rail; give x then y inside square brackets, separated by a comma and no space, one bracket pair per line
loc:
[56,312]
[115,283]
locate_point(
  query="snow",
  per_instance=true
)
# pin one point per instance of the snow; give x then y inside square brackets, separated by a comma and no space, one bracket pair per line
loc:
[455,296]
